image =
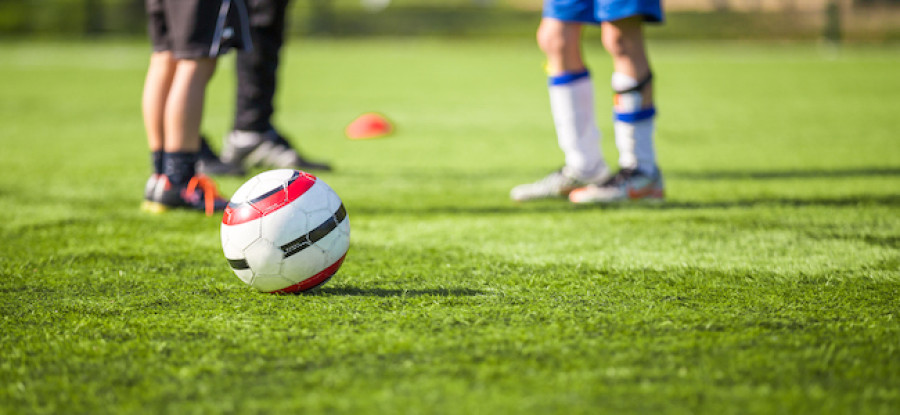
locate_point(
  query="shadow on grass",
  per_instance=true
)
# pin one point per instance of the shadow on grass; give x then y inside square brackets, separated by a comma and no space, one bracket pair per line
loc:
[561,205]
[445,174]
[881,200]
[394,292]
[786,174]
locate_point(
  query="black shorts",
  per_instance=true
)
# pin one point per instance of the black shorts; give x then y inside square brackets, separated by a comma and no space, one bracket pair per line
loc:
[193,29]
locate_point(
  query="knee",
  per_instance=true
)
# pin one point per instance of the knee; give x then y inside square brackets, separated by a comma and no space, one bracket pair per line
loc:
[616,44]
[623,38]
[551,38]
[201,69]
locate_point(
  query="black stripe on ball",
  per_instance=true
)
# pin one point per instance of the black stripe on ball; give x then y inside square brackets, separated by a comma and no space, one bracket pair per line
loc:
[305,241]
[238,264]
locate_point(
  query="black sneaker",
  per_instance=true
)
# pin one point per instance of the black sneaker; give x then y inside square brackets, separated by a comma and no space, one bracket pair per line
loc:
[267,149]
[199,193]
[209,163]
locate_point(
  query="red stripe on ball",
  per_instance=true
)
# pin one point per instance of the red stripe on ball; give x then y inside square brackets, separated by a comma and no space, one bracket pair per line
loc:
[255,209]
[314,281]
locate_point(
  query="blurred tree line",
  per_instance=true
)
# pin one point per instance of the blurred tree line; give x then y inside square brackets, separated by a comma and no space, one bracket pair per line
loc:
[331,17]
[721,19]
[73,17]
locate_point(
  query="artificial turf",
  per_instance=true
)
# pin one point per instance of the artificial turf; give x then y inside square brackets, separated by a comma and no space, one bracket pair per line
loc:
[768,282]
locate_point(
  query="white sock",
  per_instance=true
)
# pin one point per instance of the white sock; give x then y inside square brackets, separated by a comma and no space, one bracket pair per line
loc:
[634,126]
[572,105]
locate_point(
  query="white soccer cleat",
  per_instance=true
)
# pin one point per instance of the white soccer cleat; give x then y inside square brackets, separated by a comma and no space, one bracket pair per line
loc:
[267,149]
[627,184]
[556,184]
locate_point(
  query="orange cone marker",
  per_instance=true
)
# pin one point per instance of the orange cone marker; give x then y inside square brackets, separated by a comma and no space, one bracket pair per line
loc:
[368,125]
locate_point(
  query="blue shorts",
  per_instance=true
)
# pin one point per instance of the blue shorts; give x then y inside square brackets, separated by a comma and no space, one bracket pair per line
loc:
[596,11]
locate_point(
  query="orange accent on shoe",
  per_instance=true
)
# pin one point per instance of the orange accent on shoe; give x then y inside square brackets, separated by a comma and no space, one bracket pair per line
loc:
[166,183]
[210,192]
[647,192]
[575,192]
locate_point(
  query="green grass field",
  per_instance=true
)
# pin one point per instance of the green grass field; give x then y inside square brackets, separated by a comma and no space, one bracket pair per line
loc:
[768,283]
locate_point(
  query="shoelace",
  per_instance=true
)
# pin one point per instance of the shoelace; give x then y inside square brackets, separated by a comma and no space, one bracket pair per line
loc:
[620,177]
[210,192]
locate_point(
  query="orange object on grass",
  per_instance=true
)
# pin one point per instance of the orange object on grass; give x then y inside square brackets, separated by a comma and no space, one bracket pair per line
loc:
[368,125]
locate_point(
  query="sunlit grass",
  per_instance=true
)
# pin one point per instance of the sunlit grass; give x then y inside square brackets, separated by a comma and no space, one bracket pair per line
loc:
[767,283]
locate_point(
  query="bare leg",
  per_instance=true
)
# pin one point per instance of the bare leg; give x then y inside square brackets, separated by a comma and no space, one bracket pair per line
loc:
[184,105]
[561,43]
[571,93]
[633,105]
[624,40]
[156,89]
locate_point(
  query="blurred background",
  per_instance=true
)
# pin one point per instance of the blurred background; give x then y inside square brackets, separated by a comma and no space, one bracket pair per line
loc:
[869,21]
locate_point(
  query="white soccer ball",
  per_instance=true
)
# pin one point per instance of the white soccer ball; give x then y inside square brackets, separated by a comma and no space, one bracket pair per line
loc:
[285,231]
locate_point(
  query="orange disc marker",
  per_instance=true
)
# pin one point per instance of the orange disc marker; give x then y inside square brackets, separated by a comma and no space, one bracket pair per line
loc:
[369,125]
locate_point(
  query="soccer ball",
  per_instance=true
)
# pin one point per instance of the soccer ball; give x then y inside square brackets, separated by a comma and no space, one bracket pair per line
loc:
[285,231]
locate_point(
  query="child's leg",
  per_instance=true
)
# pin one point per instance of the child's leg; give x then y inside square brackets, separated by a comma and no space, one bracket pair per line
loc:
[632,83]
[639,177]
[561,43]
[182,117]
[156,89]
[571,98]
[184,106]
